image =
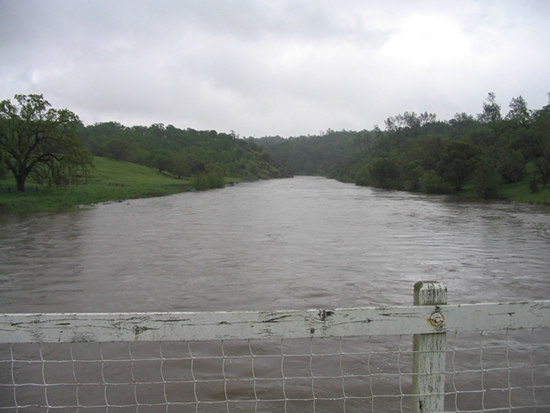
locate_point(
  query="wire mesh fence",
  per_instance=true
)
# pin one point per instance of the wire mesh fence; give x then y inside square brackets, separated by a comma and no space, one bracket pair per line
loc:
[498,371]
[264,365]
[486,371]
[320,375]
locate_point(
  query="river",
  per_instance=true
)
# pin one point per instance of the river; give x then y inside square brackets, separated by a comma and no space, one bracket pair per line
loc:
[306,242]
[299,243]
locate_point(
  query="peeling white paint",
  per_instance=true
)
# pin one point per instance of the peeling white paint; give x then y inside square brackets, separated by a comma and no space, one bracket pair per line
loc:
[127,327]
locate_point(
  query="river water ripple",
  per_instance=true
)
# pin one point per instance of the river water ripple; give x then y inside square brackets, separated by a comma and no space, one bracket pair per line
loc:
[297,243]
[282,244]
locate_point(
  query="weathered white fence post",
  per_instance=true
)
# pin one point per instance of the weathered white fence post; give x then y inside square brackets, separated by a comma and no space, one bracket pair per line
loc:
[429,352]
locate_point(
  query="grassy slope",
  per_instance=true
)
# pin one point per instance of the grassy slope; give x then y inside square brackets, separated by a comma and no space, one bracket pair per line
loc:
[110,181]
[519,191]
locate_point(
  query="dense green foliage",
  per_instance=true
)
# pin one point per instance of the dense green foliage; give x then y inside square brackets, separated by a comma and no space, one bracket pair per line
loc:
[51,148]
[207,156]
[483,156]
[40,142]
[487,156]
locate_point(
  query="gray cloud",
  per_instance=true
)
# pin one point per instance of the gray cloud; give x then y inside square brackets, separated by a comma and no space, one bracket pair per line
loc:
[272,67]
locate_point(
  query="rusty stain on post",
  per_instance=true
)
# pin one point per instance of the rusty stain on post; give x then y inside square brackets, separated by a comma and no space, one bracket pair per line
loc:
[437,320]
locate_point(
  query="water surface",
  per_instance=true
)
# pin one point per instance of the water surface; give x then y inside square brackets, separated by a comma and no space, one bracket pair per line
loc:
[281,244]
[306,242]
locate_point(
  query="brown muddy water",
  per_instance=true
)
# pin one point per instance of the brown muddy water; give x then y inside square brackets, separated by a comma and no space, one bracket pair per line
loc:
[297,243]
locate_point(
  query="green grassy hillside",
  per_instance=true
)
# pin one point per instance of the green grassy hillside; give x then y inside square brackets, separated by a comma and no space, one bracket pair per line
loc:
[109,181]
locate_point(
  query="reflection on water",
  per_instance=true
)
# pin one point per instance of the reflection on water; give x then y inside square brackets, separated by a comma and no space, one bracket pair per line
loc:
[295,243]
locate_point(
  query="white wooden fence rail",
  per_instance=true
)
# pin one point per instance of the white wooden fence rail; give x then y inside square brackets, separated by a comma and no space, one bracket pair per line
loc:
[428,321]
[182,326]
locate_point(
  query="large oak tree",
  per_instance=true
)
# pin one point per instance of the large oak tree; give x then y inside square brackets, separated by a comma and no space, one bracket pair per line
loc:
[39,141]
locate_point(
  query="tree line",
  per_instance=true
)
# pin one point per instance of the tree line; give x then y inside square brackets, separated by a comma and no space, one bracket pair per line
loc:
[51,146]
[414,152]
[418,152]
[207,156]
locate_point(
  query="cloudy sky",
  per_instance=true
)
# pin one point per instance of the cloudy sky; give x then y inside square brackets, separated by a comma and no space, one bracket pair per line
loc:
[273,67]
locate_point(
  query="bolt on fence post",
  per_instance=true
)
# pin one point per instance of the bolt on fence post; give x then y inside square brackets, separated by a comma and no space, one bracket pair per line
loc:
[429,352]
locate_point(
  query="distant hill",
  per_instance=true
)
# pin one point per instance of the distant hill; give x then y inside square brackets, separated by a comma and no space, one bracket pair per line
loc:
[182,153]
[310,155]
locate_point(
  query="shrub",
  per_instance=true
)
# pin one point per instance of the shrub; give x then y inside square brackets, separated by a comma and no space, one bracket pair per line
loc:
[431,183]
[486,180]
[211,178]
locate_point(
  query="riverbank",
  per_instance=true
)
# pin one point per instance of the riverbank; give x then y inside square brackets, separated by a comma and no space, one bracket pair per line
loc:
[117,180]
[516,192]
[109,181]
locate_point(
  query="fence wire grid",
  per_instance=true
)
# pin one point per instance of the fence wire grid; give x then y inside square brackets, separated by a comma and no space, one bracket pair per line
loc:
[502,371]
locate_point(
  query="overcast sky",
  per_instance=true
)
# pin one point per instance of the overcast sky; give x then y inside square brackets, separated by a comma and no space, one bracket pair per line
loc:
[273,67]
